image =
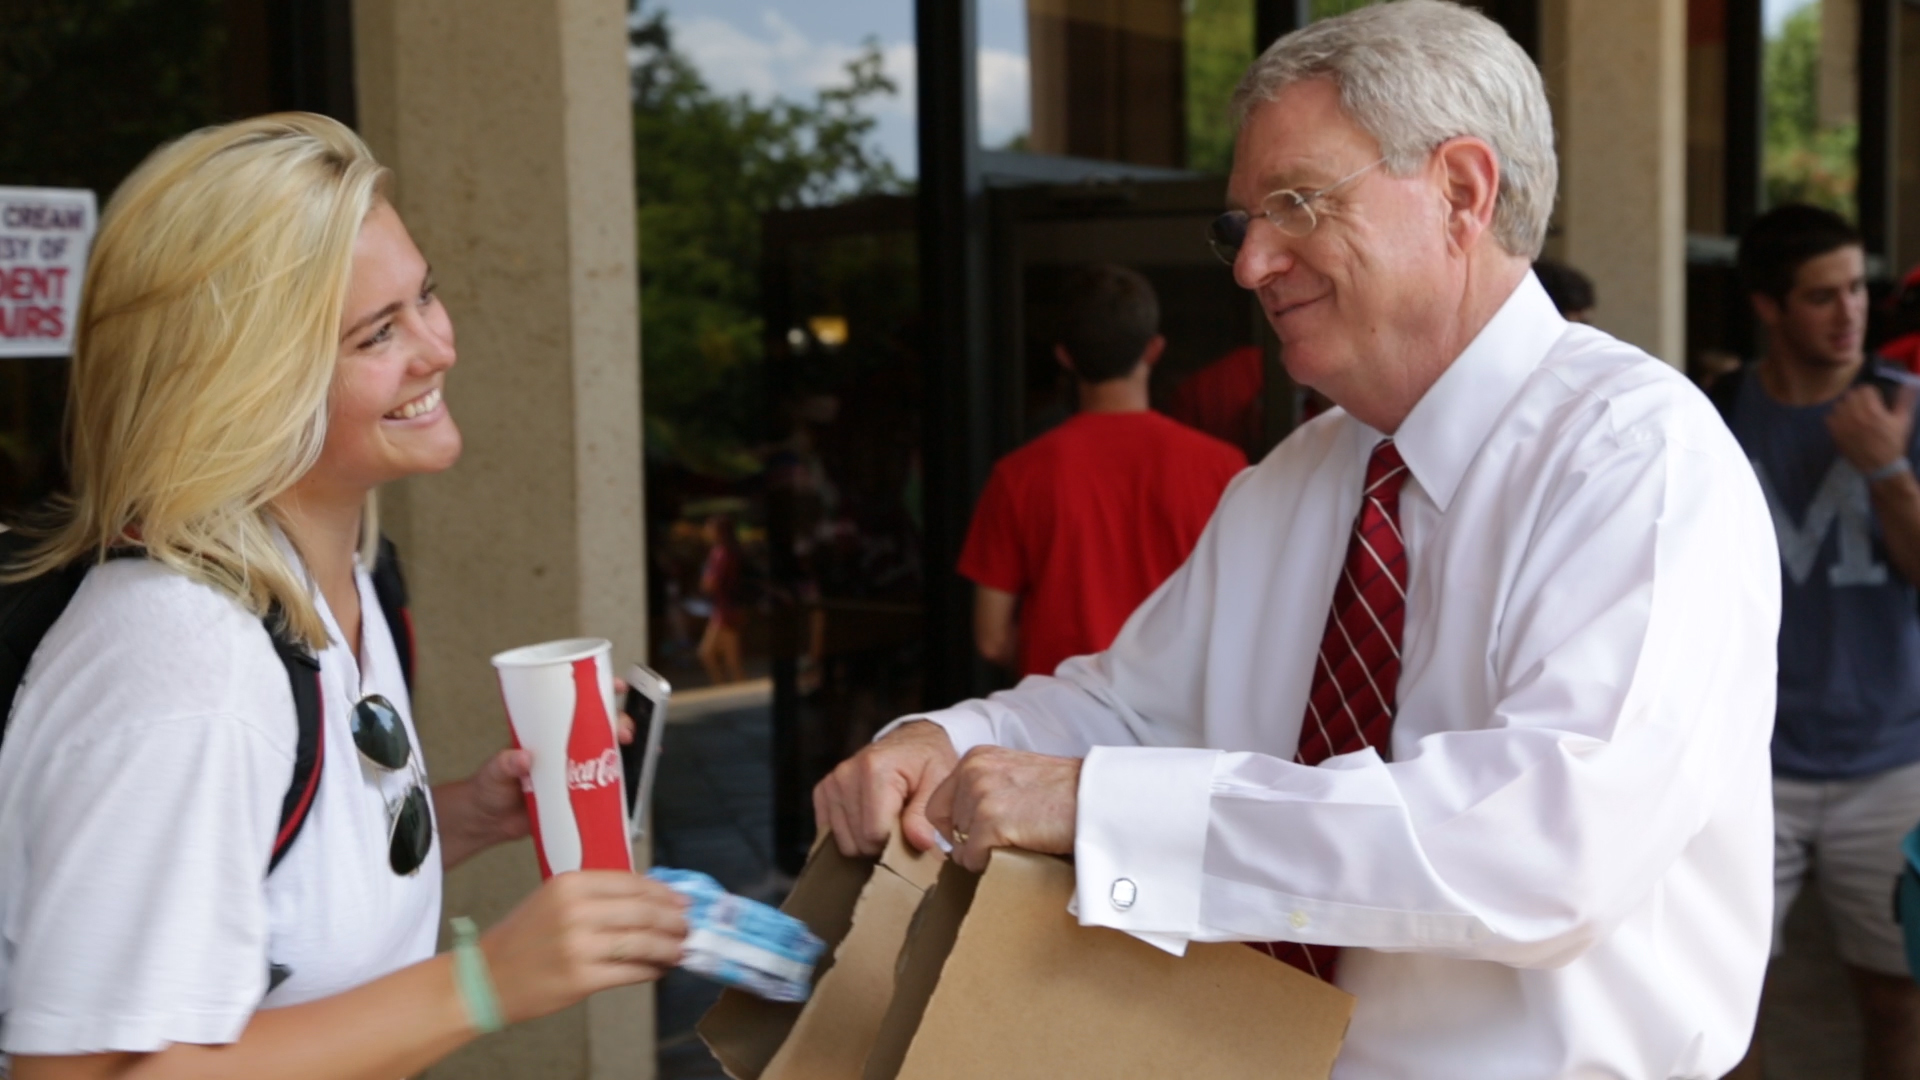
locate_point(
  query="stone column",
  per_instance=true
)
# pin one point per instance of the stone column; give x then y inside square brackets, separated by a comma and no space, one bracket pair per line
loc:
[1616,74]
[509,129]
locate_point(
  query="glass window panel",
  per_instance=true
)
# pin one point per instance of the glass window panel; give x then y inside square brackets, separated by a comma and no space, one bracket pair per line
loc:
[1707,116]
[1212,374]
[1906,144]
[1107,80]
[1219,46]
[1326,8]
[1004,75]
[86,92]
[754,122]
[1144,82]
[1810,95]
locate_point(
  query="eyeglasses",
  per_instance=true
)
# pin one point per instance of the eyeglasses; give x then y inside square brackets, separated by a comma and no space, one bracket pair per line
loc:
[381,737]
[1290,211]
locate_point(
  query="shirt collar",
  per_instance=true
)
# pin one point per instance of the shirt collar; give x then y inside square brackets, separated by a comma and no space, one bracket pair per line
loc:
[1448,425]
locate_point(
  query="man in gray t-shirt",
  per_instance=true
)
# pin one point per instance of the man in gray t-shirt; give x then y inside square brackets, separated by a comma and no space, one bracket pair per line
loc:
[1831,435]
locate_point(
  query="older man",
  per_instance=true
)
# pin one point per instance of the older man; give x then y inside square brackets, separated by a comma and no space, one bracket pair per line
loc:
[1463,699]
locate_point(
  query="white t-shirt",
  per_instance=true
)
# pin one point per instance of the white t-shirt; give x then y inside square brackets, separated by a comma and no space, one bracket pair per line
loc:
[141,780]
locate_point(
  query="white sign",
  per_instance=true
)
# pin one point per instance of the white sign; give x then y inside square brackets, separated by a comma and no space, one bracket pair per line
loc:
[44,236]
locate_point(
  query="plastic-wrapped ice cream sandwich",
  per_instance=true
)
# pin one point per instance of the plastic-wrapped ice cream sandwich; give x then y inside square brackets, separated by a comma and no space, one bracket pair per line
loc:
[740,942]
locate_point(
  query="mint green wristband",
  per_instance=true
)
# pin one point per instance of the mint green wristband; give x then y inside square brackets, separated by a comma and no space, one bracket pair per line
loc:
[471,976]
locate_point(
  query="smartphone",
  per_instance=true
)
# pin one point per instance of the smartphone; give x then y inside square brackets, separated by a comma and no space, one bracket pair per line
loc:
[647,695]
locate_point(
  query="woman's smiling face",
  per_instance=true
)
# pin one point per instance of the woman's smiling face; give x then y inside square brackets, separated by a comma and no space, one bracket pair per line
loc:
[386,418]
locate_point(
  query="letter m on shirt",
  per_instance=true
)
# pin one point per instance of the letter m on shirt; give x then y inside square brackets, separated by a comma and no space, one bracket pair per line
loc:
[1841,499]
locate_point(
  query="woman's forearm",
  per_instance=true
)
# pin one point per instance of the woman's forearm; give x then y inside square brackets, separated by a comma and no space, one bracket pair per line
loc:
[484,809]
[392,1027]
[464,830]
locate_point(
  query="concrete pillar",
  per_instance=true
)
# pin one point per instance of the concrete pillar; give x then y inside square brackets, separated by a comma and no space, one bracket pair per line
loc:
[1616,74]
[509,129]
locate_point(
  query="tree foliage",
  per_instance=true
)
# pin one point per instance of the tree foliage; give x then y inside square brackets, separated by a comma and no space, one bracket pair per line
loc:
[1219,42]
[1326,9]
[1805,161]
[88,89]
[706,167]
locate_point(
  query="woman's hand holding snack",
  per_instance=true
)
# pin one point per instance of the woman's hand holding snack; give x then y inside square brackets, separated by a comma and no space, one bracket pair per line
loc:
[580,933]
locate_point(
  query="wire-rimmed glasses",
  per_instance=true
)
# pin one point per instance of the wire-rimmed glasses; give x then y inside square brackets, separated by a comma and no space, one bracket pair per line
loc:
[1289,209]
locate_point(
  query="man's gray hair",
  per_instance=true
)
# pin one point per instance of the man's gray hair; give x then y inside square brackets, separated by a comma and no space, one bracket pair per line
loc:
[1415,73]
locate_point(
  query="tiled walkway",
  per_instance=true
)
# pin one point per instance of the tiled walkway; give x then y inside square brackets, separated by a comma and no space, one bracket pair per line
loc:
[714,801]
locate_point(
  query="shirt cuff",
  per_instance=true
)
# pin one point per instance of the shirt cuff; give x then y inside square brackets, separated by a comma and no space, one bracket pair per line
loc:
[1141,840]
[965,728]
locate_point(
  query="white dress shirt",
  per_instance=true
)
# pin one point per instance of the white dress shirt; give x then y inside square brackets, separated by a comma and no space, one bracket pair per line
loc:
[1565,869]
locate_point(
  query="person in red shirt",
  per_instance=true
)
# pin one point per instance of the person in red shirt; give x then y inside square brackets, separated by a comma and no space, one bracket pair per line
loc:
[1904,348]
[720,584]
[1079,526]
[1226,399]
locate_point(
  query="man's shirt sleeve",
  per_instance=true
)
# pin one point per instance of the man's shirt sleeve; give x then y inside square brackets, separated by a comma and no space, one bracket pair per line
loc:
[1635,646]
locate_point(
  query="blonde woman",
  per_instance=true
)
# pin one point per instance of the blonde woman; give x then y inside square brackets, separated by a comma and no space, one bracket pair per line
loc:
[260,348]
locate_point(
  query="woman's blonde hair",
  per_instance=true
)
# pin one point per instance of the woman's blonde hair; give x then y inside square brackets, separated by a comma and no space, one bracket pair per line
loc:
[203,355]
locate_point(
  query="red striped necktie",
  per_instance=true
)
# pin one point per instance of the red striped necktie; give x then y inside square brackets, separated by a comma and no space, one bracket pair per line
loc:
[1350,705]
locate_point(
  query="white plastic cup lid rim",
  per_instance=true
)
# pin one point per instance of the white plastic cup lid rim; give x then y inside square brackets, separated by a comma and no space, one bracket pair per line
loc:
[564,651]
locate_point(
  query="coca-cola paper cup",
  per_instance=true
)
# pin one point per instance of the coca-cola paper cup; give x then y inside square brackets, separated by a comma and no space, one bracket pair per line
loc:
[559,698]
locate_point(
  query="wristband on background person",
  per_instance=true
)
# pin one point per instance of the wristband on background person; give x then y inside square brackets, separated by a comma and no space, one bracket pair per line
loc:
[1890,470]
[471,976]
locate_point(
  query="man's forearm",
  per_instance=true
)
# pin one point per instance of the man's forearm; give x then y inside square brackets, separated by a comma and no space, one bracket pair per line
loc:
[996,625]
[1896,502]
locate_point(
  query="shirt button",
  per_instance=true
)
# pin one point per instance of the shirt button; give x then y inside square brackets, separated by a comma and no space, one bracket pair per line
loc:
[1123,893]
[1298,919]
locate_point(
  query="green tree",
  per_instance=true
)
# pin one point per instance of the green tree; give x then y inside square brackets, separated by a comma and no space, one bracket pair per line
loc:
[706,167]
[1219,42]
[1805,161]
[1325,9]
[89,87]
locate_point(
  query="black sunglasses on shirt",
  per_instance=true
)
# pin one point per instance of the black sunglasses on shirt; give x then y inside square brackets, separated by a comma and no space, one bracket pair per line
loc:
[381,737]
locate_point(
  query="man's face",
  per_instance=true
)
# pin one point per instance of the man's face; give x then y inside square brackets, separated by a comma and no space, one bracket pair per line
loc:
[1374,276]
[1822,322]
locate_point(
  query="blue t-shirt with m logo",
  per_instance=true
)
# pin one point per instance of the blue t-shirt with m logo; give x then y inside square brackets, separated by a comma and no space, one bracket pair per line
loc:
[1849,702]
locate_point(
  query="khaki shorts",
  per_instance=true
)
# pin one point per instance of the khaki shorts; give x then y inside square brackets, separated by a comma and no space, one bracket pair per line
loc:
[1846,833]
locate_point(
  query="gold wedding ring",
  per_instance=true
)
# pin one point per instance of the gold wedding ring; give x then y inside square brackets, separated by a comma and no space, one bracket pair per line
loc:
[959,838]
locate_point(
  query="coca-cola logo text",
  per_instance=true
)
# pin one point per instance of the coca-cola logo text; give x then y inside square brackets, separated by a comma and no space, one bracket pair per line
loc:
[598,773]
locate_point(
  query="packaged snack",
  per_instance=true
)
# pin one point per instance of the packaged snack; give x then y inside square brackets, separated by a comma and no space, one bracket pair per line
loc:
[741,942]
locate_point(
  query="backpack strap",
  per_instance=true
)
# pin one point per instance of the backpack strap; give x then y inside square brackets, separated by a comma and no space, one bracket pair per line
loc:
[303,678]
[310,748]
[391,589]
[28,609]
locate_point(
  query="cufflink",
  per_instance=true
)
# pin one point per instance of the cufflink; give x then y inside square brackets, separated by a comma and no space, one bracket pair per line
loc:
[1123,893]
